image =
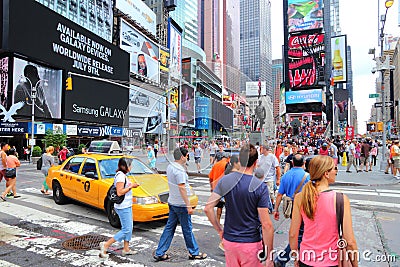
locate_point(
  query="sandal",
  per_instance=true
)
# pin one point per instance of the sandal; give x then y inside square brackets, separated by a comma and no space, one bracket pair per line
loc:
[3,198]
[103,252]
[129,252]
[201,256]
[17,196]
[160,258]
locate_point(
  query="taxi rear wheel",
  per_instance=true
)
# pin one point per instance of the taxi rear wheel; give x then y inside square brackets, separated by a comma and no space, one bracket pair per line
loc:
[58,194]
[113,217]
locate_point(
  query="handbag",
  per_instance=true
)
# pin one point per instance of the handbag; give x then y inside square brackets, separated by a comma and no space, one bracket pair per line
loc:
[11,173]
[343,256]
[113,196]
[288,201]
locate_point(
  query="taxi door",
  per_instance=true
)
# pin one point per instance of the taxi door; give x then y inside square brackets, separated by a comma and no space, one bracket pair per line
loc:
[88,189]
[69,176]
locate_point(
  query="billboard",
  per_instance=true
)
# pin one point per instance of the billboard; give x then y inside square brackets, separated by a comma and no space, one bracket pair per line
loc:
[143,53]
[186,105]
[4,81]
[187,69]
[305,15]
[173,105]
[61,43]
[96,101]
[339,58]
[146,110]
[306,56]
[203,111]
[140,12]
[164,59]
[253,87]
[304,96]
[175,49]
[48,83]
[96,16]
[282,104]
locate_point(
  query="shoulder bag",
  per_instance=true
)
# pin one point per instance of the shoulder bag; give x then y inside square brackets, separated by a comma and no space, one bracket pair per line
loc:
[288,201]
[343,256]
[113,196]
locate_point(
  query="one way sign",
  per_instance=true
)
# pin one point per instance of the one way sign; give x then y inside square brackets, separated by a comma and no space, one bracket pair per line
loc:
[387,104]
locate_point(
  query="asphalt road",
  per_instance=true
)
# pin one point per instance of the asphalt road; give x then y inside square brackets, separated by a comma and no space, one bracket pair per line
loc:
[33,228]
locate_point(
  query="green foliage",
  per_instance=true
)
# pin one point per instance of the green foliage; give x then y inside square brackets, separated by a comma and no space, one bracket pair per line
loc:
[37,151]
[55,140]
[80,148]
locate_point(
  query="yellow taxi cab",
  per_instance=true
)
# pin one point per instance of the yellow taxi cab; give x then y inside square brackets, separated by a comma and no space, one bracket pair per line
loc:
[87,178]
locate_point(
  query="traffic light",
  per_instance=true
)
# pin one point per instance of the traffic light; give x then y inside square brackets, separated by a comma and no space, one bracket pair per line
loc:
[379,126]
[371,126]
[69,83]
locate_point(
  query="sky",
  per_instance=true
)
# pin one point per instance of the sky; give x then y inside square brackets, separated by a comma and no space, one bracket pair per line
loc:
[359,21]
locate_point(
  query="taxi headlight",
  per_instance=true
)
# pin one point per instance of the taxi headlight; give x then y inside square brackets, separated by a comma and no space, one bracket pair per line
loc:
[144,200]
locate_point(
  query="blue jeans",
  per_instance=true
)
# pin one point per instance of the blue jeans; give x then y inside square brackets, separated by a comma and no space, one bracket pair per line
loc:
[284,257]
[125,216]
[177,214]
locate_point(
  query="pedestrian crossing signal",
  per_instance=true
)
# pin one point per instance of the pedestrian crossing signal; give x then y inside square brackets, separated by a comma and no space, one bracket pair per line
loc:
[69,83]
[371,127]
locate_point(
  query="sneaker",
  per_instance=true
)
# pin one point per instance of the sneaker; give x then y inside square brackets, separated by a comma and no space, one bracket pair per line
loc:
[9,194]
[221,246]
[348,171]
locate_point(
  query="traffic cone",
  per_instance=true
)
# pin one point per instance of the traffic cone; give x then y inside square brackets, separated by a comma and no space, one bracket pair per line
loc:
[344,160]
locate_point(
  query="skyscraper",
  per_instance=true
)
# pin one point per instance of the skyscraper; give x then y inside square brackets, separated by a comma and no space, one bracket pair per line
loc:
[255,42]
[277,79]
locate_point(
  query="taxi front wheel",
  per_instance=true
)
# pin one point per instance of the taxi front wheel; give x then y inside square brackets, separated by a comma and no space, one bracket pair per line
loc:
[58,194]
[112,215]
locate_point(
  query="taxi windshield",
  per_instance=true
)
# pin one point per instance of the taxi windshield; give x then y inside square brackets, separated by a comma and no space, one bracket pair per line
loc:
[108,167]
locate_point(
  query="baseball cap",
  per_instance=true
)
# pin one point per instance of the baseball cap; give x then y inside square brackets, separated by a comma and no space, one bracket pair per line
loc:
[324,144]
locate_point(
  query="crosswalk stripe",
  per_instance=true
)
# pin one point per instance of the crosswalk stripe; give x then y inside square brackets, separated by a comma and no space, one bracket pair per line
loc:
[374,203]
[7,264]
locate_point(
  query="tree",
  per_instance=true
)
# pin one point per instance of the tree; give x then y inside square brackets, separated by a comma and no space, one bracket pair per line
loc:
[55,140]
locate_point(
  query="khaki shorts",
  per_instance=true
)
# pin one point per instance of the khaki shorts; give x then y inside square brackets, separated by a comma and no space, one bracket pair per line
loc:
[270,185]
[364,160]
[396,163]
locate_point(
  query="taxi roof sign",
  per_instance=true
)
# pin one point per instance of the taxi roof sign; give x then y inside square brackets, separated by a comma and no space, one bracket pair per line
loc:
[104,147]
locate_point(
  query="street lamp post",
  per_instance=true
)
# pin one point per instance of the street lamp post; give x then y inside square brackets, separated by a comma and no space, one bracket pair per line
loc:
[388,4]
[33,98]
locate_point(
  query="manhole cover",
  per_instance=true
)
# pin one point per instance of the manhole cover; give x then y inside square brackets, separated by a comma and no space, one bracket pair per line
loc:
[84,242]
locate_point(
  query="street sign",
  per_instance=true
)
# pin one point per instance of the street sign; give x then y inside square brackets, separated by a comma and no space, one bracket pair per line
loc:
[32,142]
[387,104]
[373,95]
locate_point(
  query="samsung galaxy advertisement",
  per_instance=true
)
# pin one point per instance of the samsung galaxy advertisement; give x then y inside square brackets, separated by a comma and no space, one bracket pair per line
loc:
[144,54]
[46,81]
[146,110]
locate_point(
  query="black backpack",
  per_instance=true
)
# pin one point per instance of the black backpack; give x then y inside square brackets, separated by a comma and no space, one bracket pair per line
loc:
[39,164]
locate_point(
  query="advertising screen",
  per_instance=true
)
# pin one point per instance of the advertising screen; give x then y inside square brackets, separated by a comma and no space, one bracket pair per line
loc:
[202,112]
[253,87]
[48,85]
[173,106]
[282,104]
[96,101]
[96,16]
[144,54]
[140,12]
[175,49]
[304,96]
[305,15]
[4,81]
[146,110]
[339,58]
[59,42]
[164,59]
[186,104]
[306,55]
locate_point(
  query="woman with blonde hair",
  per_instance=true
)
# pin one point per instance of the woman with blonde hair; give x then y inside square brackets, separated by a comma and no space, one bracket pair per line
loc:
[315,205]
[47,162]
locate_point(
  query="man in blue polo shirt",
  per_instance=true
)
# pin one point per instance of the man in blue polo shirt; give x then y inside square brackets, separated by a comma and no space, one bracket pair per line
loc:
[289,183]
[247,203]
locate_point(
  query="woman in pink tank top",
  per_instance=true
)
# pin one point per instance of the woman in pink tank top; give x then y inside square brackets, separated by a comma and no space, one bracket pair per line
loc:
[315,205]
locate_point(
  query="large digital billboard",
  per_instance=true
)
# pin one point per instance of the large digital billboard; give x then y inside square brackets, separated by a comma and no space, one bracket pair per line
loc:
[96,101]
[144,54]
[306,55]
[175,49]
[48,84]
[173,105]
[164,59]
[339,58]
[49,37]
[140,12]
[203,111]
[303,96]
[146,110]
[96,16]
[305,15]
[186,105]
[4,81]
